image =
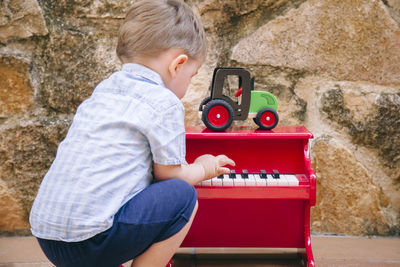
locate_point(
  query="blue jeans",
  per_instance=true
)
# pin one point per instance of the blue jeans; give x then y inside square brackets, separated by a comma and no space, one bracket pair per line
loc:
[158,212]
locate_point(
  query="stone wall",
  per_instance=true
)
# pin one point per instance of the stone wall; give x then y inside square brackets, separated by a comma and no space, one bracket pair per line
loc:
[334,66]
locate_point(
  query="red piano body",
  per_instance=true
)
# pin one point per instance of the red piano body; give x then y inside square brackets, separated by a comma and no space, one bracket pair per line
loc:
[255,216]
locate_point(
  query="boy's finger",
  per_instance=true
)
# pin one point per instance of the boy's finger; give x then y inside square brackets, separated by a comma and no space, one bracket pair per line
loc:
[223,170]
[224,160]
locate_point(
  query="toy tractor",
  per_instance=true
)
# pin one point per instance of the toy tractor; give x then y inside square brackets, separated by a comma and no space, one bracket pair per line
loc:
[219,110]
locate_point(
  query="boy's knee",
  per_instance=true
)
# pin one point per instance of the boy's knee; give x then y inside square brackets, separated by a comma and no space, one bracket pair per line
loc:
[187,190]
[183,193]
[184,188]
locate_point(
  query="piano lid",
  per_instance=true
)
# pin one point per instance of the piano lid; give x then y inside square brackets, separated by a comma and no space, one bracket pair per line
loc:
[245,132]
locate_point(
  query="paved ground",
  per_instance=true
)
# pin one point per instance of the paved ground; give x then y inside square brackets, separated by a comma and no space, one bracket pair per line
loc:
[328,251]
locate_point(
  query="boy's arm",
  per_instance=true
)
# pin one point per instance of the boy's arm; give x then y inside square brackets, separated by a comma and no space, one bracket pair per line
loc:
[203,168]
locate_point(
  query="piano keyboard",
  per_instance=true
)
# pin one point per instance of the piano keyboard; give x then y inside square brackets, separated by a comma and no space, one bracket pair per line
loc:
[256,179]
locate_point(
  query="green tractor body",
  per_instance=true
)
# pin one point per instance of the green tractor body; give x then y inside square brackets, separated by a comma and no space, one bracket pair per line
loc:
[262,99]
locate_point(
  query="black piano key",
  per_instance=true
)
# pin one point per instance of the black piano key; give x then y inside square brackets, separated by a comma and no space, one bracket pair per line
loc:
[245,174]
[232,174]
[221,176]
[263,174]
[275,174]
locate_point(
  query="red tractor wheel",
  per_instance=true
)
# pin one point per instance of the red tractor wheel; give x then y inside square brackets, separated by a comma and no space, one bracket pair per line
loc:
[267,118]
[217,115]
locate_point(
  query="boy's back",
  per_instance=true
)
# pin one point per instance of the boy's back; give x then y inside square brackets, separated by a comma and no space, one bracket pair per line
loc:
[109,149]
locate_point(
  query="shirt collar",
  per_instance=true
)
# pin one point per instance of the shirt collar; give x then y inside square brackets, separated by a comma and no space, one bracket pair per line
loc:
[141,71]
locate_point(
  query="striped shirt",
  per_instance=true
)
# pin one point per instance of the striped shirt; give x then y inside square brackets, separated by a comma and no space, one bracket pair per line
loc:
[130,120]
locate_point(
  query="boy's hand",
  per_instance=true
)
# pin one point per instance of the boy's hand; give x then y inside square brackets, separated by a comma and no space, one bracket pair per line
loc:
[213,165]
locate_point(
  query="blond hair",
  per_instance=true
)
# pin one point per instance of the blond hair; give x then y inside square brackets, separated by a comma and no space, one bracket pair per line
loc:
[153,26]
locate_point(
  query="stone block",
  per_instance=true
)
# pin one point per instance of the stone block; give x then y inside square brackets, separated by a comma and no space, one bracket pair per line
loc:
[88,8]
[16,90]
[394,9]
[238,17]
[348,40]
[20,19]
[12,215]
[75,62]
[348,202]
[27,149]
[372,119]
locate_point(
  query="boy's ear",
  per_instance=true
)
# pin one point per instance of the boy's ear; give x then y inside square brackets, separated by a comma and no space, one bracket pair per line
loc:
[176,64]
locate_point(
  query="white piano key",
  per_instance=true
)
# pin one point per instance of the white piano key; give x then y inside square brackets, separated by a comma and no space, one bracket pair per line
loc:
[239,181]
[227,181]
[251,181]
[272,181]
[282,181]
[292,180]
[200,184]
[260,181]
[206,182]
[216,181]
[234,179]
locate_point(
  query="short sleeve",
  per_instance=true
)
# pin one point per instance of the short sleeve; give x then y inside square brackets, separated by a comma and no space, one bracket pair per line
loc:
[167,136]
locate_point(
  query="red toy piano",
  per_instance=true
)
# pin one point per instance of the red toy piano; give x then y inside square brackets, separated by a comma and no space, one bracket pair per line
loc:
[265,201]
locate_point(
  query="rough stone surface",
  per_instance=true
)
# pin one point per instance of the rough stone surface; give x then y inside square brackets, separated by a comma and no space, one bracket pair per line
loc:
[394,9]
[89,8]
[21,19]
[27,148]
[16,90]
[333,37]
[351,106]
[11,214]
[372,119]
[239,17]
[333,65]
[347,198]
[64,88]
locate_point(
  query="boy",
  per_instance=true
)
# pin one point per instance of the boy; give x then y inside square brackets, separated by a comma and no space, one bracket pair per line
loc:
[96,206]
